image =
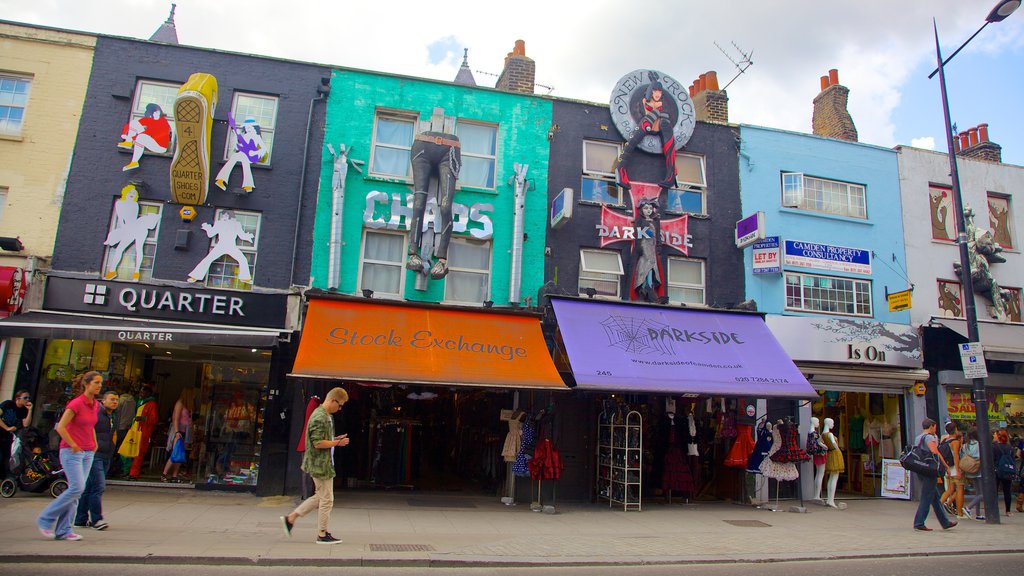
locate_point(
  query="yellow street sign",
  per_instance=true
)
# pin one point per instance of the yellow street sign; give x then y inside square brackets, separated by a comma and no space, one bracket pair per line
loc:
[899,301]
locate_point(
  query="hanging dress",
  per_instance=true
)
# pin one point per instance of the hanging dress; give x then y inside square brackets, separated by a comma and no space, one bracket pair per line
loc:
[834,462]
[676,471]
[521,466]
[888,446]
[782,471]
[513,440]
[742,448]
[790,450]
[815,448]
[761,448]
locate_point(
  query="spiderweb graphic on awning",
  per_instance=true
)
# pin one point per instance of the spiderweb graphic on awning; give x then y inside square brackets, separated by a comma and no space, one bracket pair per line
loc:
[631,335]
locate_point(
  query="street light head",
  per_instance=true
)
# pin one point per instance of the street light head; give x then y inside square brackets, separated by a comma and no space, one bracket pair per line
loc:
[1003,9]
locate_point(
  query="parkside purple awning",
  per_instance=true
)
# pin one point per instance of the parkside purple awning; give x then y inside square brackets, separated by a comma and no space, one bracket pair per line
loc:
[629,348]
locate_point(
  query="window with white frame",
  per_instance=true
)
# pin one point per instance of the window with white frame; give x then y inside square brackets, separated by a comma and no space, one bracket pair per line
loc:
[478,144]
[224,270]
[262,109]
[951,298]
[1000,219]
[469,271]
[689,195]
[383,263]
[598,184]
[685,281]
[13,101]
[600,270]
[828,294]
[392,144]
[825,196]
[161,94]
[124,265]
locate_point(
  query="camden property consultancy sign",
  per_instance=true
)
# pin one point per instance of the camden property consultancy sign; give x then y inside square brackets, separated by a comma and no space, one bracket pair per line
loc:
[827,257]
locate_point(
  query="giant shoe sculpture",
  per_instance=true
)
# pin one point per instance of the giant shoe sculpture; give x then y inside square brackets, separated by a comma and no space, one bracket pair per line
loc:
[193,122]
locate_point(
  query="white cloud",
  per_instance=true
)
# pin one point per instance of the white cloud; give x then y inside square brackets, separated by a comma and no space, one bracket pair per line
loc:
[925,142]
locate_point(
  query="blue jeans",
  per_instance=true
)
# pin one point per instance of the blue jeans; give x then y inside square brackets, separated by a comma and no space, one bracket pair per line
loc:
[929,498]
[90,506]
[57,516]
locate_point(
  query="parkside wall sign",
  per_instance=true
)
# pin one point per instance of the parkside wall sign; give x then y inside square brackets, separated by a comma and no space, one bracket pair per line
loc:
[166,302]
[827,257]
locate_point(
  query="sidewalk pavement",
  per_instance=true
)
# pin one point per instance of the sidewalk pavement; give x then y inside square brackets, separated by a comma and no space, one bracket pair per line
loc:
[166,526]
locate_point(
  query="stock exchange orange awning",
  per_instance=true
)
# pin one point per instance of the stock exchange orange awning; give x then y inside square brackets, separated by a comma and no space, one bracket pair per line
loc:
[367,341]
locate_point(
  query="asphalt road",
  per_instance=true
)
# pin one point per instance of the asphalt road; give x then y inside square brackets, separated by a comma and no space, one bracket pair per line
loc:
[987,564]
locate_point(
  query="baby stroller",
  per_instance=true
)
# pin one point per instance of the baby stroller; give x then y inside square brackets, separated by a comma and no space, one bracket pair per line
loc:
[33,468]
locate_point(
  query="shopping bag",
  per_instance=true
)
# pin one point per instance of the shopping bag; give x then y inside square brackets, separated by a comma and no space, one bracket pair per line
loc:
[178,452]
[132,439]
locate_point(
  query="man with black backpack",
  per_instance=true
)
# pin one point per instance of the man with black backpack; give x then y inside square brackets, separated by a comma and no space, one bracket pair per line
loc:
[949,448]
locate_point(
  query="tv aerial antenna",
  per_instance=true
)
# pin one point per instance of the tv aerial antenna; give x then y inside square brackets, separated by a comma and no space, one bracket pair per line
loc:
[742,65]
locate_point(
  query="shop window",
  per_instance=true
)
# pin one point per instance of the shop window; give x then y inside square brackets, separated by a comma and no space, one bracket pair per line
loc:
[598,184]
[951,299]
[689,196]
[383,264]
[600,271]
[392,144]
[940,209]
[478,146]
[828,294]
[14,92]
[1013,304]
[121,257]
[824,196]
[469,272]
[1000,219]
[224,270]
[162,94]
[262,109]
[685,281]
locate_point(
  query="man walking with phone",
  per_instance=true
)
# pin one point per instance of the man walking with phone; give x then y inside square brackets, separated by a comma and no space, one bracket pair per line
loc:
[318,462]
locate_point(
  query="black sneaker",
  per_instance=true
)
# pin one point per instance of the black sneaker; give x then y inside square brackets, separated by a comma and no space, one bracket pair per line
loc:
[287,526]
[327,539]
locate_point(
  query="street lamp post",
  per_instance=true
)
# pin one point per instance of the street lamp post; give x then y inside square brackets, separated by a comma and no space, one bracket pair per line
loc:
[999,13]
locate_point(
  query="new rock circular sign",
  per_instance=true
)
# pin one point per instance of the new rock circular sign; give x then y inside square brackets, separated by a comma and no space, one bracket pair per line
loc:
[631,100]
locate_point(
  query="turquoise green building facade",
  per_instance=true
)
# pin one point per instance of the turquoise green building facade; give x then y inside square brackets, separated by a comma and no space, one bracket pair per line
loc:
[361,241]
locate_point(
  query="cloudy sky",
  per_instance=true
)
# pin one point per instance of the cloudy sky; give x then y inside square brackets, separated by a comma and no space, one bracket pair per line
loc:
[883,49]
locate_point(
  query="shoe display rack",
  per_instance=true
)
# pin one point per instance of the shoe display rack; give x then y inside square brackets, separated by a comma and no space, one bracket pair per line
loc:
[619,461]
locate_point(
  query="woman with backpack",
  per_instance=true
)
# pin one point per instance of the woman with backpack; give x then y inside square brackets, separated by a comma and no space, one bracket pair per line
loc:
[949,447]
[1006,467]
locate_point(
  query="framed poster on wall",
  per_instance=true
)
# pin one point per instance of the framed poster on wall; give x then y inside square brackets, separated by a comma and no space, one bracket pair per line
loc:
[895,480]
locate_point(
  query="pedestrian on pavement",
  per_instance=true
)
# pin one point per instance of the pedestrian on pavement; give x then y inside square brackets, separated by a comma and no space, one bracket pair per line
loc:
[147,422]
[318,462]
[179,431]
[972,448]
[90,505]
[77,430]
[949,447]
[123,418]
[929,486]
[14,415]
[1001,448]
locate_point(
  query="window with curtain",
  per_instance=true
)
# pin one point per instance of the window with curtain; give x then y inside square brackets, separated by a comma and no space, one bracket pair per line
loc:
[689,196]
[602,271]
[383,268]
[940,206]
[478,145]
[685,281]
[469,272]
[392,145]
[261,108]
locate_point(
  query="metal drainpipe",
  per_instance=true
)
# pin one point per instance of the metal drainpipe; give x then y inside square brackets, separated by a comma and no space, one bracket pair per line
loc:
[519,208]
[337,206]
[322,91]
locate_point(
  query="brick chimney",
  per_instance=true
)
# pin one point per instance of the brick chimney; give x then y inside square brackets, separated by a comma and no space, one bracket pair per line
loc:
[974,143]
[831,118]
[710,103]
[519,72]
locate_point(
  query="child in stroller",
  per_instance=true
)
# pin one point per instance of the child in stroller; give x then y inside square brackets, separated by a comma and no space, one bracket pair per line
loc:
[33,467]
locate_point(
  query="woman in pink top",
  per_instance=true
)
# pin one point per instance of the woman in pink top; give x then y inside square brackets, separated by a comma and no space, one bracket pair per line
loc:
[77,429]
[180,430]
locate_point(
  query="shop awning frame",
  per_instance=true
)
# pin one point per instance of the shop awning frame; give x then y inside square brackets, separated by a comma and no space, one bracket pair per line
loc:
[384,341]
[48,325]
[639,348]
[997,338]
